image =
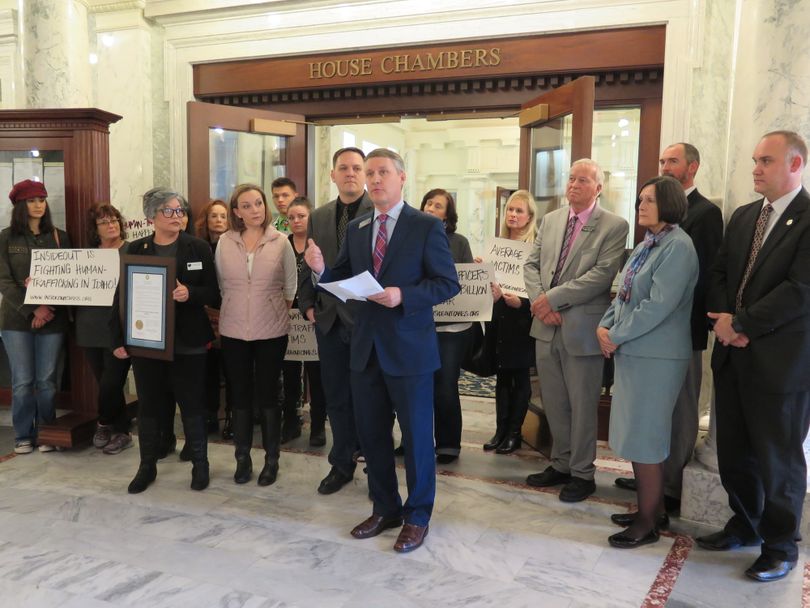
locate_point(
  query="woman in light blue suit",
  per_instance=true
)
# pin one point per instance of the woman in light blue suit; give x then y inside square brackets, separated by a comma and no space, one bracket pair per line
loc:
[647,328]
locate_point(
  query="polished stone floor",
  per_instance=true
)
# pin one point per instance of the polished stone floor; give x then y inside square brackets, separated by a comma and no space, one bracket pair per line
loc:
[70,535]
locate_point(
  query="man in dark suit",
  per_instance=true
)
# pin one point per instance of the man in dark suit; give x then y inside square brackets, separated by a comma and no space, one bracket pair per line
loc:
[333,319]
[759,299]
[394,348]
[704,224]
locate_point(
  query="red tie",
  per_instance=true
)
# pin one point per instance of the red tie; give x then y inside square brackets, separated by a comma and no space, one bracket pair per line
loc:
[380,244]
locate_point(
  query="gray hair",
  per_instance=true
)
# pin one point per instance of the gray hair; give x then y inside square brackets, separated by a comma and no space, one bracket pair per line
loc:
[157,198]
[399,164]
[600,175]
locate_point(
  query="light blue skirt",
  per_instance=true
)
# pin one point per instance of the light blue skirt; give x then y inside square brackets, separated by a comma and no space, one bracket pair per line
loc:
[644,394]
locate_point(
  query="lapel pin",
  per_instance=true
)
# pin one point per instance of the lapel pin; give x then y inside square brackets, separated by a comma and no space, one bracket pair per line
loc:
[364,223]
[790,222]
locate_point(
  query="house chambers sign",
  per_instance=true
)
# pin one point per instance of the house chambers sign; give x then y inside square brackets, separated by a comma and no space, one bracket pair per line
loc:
[405,63]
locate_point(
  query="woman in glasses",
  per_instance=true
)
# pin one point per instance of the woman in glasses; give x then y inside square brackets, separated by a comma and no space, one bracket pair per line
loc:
[32,335]
[258,278]
[160,383]
[105,230]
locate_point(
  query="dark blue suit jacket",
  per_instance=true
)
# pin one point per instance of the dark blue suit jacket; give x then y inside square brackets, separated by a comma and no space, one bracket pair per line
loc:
[419,262]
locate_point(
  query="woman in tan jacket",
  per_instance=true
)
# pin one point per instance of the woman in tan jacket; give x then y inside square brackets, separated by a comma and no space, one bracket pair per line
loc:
[257,278]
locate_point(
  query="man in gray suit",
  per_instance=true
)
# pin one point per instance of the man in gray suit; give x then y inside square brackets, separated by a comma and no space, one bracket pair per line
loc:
[332,318]
[568,275]
[704,224]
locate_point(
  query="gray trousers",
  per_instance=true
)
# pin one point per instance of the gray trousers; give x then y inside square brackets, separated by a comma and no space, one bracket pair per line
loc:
[570,388]
[685,420]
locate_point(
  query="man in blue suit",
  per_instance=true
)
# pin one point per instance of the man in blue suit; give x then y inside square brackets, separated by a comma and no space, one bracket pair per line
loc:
[394,349]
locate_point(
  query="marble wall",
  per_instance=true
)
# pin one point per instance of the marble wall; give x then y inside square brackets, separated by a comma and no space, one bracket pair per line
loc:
[771,85]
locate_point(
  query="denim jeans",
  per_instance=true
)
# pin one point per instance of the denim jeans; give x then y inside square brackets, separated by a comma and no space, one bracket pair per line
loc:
[33,358]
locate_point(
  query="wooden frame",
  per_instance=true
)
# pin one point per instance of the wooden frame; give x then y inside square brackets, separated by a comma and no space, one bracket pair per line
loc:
[166,268]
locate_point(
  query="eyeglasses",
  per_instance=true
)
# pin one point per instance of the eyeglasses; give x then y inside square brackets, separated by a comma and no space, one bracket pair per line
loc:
[106,221]
[170,211]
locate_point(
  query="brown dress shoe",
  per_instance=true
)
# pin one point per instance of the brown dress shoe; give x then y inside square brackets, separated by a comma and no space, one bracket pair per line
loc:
[374,525]
[410,537]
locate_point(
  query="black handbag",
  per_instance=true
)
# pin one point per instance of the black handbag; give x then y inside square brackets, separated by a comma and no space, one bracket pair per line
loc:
[480,358]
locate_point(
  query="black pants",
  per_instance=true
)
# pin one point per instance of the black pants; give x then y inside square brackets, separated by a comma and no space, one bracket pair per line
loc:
[761,459]
[512,393]
[162,383]
[293,389]
[252,367]
[111,375]
[453,347]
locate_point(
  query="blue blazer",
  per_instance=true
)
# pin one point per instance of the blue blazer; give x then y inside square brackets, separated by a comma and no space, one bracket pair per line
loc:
[656,320]
[419,262]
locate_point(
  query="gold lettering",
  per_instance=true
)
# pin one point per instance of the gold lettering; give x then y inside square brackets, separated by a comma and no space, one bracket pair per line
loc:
[417,65]
[328,68]
[495,56]
[434,62]
[365,70]
[401,63]
[354,66]
[452,60]
[314,70]
[383,63]
[466,58]
[480,57]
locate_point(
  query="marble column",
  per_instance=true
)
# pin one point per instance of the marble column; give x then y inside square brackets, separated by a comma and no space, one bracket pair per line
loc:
[770,90]
[56,54]
[122,75]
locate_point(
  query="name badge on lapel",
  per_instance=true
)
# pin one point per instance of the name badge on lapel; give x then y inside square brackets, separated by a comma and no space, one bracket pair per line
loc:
[364,223]
[587,229]
[194,266]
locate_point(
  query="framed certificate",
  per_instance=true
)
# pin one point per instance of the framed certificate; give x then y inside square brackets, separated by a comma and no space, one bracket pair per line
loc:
[147,308]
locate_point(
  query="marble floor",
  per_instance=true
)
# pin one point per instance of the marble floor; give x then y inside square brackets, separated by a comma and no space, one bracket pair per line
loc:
[71,536]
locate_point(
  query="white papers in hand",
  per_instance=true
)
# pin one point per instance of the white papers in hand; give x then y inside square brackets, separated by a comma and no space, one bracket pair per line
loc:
[359,287]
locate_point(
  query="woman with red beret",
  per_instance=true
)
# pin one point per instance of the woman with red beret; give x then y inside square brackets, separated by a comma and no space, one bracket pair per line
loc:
[32,335]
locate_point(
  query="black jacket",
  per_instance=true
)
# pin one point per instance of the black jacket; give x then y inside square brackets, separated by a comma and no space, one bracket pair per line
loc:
[191,325]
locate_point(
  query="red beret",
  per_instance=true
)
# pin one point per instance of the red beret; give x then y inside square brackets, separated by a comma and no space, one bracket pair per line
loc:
[27,189]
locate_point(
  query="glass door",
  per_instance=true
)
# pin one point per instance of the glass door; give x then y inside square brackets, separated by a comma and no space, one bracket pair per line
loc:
[555,129]
[228,146]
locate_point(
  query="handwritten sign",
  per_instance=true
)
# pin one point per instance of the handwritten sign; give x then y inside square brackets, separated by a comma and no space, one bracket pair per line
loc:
[76,277]
[508,257]
[301,345]
[474,301]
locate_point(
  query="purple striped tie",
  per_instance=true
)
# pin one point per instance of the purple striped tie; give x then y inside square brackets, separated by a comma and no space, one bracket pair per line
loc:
[380,244]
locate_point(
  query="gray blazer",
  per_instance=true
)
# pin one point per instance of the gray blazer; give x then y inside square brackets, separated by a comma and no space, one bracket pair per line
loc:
[583,291]
[656,320]
[323,230]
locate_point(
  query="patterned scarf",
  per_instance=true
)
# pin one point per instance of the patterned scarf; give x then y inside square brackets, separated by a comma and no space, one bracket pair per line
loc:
[637,261]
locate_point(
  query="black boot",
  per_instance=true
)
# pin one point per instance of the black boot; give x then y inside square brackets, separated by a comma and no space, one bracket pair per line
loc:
[227,426]
[168,440]
[243,424]
[501,418]
[291,425]
[148,441]
[510,444]
[271,437]
[185,453]
[197,439]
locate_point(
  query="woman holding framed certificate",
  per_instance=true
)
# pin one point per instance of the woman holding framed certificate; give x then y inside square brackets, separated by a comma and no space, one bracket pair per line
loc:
[173,373]
[258,277]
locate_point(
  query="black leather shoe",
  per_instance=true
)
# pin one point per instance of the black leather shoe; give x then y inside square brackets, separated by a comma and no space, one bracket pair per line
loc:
[446,458]
[626,483]
[577,489]
[723,541]
[244,468]
[626,520]
[549,477]
[185,453]
[375,525]
[767,569]
[621,540]
[333,482]
[269,474]
[510,444]
[494,441]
